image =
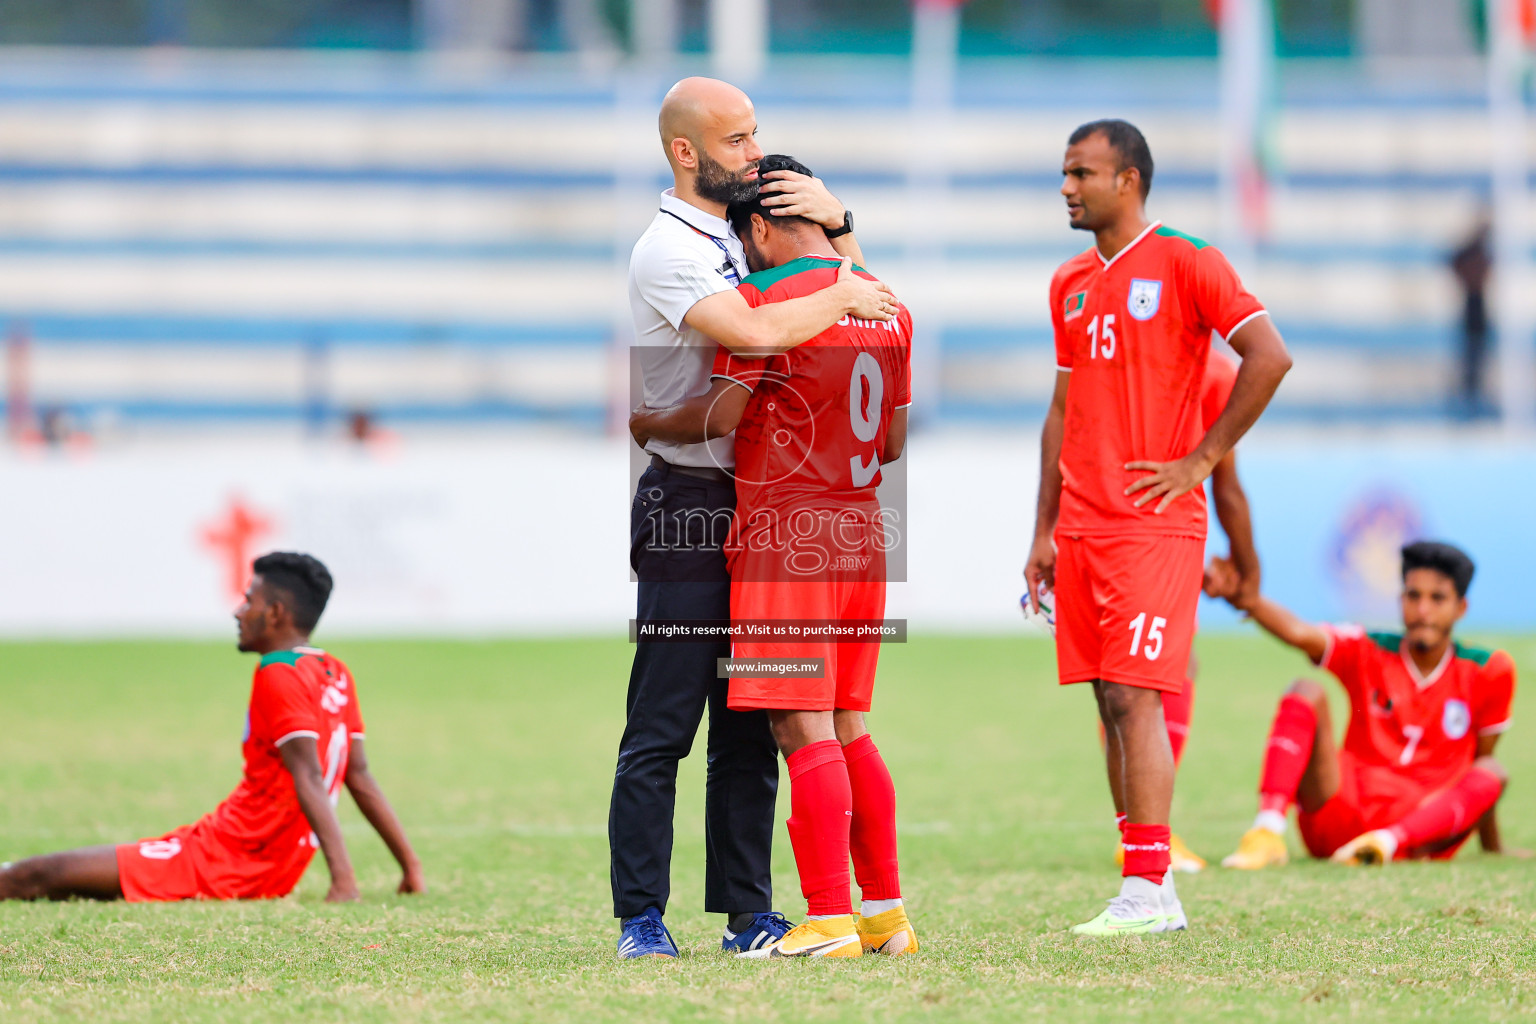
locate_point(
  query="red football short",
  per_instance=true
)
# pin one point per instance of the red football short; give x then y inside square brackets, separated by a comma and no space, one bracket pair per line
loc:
[1368,798]
[194,862]
[1125,608]
[848,681]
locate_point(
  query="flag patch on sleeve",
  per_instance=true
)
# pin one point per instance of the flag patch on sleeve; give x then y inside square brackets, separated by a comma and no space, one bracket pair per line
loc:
[1073,307]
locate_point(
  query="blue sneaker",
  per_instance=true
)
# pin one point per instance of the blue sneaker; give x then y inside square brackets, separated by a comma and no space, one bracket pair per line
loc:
[766,928]
[644,935]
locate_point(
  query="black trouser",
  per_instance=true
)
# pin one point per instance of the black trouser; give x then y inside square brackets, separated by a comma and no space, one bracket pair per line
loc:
[682,574]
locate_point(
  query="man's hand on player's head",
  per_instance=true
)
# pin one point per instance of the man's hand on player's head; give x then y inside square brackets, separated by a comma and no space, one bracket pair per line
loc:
[1168,480]
[867,300]
[792,194]
[1041,568]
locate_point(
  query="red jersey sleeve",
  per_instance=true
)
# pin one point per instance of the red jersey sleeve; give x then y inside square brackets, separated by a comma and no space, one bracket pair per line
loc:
[1495,693]
[1346,647]
[1220,301]
[752,294]
[746,372]
[1059,326]
[281,705]
[1216,389]
[904,372]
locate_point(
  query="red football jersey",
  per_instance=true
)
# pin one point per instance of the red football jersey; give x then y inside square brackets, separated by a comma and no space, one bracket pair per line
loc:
[1420,728]
[303,692]
[816,423]
[1216,388]
[1135,333]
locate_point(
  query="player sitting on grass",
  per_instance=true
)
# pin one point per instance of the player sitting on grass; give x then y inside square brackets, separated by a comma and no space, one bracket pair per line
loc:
[303,739]
[812,430]
[1416,773]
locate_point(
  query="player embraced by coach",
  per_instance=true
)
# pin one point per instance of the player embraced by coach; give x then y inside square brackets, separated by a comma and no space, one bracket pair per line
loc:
[683,275]
[1121,524]
[812,429]
[1416,774]
[303,740]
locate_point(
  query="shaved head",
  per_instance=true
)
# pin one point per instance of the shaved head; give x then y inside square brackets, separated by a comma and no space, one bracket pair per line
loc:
[696,104]
[707,128]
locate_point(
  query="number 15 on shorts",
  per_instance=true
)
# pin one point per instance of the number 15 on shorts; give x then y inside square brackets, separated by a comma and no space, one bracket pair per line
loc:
[1154,637]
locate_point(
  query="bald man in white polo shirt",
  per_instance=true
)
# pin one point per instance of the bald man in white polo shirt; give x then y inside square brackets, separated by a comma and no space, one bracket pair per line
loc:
[682,290]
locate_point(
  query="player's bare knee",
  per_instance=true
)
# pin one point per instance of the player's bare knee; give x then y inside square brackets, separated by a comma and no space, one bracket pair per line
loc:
[1122,703]
[849,725]
[1491,765]
[1309,690]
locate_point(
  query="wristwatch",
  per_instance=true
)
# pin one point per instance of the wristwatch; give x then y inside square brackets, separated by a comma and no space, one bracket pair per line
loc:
[845,229]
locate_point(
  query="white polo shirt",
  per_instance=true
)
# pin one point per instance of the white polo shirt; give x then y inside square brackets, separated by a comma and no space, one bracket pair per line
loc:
[684,256]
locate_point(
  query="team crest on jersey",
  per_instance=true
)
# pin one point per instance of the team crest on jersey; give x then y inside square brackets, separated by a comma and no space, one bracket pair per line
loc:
[1073,307]
[1456,719]
[1144,299]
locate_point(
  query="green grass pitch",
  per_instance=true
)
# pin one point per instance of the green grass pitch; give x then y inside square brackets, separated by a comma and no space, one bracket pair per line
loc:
[499,757]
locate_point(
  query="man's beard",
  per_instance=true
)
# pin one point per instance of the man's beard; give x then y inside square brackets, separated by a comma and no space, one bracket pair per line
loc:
[719,185]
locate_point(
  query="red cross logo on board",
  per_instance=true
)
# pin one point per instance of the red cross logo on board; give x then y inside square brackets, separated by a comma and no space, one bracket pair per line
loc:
[231,537]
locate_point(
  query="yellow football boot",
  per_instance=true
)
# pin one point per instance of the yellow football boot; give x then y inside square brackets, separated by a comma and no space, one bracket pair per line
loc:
[1370,850]
[831,936]
[889,934]
[1259,848]
[1180,857]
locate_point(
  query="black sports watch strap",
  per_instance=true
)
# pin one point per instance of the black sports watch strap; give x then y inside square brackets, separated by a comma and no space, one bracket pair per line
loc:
[847,227]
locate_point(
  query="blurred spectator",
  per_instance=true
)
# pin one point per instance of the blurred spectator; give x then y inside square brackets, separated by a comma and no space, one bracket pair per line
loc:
[360,427]
[1471,264]
[364,431]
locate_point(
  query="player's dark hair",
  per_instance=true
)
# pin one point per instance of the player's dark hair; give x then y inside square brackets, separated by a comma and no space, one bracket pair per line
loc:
[299,581]
[1124,138]
[1446,559]
[740,214]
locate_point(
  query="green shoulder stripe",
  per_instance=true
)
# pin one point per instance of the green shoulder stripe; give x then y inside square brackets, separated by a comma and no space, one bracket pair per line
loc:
[280,658]
[765,279]
[1198,243]
[1390,642]
[1477,654]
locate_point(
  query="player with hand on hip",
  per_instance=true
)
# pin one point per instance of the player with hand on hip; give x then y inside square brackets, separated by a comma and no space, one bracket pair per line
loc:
[1242,564]
[1121,522]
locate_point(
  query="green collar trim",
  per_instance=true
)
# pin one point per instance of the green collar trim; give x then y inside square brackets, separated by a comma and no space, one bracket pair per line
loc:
[765,279]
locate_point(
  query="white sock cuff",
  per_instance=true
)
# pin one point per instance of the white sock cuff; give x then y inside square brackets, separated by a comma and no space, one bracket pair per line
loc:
[874,908]
[1135,885]
[1274,821]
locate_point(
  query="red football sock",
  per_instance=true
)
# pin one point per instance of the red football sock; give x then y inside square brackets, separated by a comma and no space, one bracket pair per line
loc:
[1290,748]
[1450,813]
[821,808]
[1120,820]
[1146,851]
[1177,711]
[872,839]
